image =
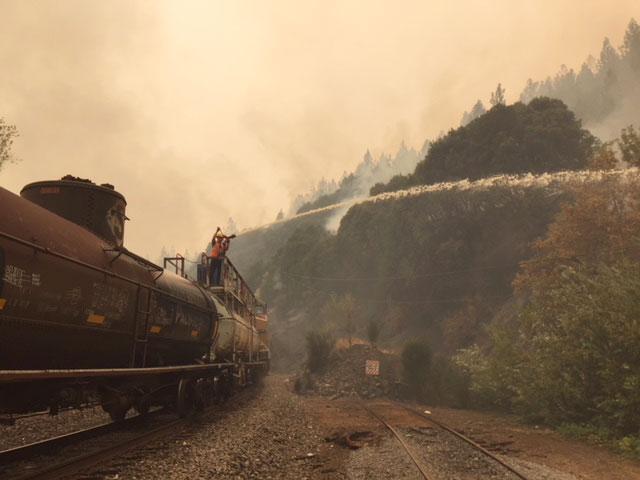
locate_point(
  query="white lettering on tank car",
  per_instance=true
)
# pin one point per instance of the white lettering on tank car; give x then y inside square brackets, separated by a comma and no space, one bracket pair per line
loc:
[14,276]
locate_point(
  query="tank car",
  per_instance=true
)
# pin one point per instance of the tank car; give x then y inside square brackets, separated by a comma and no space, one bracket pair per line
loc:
[82,317]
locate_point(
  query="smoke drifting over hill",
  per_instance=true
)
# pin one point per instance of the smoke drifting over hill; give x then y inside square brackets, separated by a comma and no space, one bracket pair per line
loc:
[603,92]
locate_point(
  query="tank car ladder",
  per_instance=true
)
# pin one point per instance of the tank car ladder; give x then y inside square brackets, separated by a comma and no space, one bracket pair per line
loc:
[141,327]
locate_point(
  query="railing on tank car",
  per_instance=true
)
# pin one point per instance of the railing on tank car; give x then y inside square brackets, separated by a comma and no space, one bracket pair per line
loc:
[231,282]
[176,264]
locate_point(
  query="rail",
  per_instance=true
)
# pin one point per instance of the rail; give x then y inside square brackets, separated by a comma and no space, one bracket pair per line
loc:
[464,438]
[39,447]
[405,446]
[57,465]
[74,464]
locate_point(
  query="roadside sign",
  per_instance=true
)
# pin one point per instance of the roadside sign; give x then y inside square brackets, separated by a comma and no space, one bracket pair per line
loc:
[372,367]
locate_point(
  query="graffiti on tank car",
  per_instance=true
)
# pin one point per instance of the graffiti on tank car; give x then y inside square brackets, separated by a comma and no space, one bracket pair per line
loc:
[45,307]
[72,296]
[109,300]
[71,302]
[18,303]
[164,310]
[48,302]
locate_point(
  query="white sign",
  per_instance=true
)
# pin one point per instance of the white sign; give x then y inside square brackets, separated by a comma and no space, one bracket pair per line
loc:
[372,367]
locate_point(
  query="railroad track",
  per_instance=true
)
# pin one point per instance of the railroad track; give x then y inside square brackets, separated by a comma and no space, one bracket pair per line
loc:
[106,442]
[110,439]
[424,471]
[464,438]
[419,465]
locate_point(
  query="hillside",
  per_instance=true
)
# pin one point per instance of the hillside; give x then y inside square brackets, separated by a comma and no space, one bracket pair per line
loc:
[435,260]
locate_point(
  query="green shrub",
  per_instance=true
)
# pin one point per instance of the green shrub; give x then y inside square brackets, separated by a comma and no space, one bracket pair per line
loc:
[590,433]
[373,331]
[630,445]
[319,349]
[416,364]
[449,384]
[573,355]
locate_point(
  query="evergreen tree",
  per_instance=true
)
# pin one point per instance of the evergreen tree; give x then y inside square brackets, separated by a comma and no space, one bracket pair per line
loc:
[631,46]
[601,87]
[476,111]
[629,144]
[497,97]
[608,56]
[231,228]
[530,91]
[367,159]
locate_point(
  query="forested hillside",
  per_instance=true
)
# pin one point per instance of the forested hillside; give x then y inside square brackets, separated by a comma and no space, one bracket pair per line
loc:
[436,261]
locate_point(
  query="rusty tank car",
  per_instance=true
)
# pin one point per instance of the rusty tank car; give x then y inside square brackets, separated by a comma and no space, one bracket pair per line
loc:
[84,319]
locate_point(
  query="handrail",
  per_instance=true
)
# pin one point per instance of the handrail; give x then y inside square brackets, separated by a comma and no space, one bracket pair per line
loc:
[26,375]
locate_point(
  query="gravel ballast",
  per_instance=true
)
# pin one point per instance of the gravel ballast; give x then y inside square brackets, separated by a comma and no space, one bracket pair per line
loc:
[269,432]
[268,436]
[33,429]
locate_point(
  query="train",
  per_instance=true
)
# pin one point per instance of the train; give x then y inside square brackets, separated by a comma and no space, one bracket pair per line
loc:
[84,320]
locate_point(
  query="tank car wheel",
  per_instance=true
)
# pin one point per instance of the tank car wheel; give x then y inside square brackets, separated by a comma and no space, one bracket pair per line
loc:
[222,388]
[118,414]
[189,398]
[242,376]
[142,408]
[116,404]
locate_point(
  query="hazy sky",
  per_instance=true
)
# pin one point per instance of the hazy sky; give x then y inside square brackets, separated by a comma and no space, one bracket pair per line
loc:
[201,110]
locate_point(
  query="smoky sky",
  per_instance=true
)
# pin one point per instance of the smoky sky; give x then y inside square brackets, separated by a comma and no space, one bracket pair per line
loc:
[201,110]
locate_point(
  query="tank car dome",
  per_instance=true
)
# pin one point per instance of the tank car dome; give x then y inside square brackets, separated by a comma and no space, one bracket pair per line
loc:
[98,208]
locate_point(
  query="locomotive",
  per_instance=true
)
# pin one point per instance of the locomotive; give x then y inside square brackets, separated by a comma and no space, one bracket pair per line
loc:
[83,319]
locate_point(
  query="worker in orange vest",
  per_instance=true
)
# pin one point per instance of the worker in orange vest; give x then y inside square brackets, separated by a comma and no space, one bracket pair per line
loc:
[219,247]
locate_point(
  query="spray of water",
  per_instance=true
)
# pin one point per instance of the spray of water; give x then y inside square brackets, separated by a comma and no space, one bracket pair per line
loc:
[560,180]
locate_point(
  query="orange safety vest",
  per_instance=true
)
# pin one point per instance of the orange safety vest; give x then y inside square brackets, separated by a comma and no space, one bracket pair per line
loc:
[216,250]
